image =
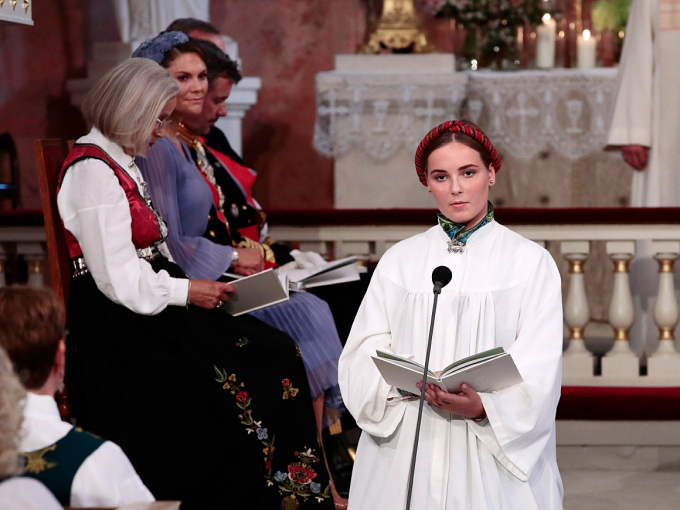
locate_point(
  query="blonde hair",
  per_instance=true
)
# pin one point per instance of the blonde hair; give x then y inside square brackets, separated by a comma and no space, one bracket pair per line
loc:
[11,415]
[126,101]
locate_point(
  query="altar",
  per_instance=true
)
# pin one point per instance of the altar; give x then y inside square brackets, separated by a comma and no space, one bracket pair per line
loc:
[550,127]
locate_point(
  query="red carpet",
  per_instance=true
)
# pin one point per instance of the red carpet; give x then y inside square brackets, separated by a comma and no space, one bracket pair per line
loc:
[618,403]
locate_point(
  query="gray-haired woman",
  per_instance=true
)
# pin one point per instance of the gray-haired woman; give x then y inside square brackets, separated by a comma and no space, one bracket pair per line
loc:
[211,409]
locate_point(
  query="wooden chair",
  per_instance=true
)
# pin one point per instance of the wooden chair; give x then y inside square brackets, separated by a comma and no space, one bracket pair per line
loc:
[10,190]
[50,155]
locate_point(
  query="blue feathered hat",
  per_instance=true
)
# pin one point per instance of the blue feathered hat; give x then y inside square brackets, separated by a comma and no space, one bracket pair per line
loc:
[156,47]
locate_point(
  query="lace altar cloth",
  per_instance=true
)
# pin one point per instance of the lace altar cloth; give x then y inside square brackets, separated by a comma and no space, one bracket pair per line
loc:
[523,112]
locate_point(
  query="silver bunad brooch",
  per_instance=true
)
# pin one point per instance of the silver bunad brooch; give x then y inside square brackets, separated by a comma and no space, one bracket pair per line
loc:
[455,246]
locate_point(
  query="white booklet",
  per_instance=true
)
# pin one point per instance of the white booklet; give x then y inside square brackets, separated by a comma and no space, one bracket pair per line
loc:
[338,271]
[486,371]
[257,291]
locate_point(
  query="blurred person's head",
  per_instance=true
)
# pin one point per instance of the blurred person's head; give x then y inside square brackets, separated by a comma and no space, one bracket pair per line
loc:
[32,333]
[11,415]
[130,104]
[198,29]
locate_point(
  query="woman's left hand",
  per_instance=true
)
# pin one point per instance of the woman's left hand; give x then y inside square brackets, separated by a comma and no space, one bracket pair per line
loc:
[467,403]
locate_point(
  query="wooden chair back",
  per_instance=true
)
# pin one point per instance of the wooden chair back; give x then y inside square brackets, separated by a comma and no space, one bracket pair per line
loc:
[50,155]
[10,190]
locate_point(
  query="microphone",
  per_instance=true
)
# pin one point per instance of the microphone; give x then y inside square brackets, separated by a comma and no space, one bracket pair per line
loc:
[441,277]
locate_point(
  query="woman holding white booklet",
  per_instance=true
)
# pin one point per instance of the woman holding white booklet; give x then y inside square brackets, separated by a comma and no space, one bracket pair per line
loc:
[481,451]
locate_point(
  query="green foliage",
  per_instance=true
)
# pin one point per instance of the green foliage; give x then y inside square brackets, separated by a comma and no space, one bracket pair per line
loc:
[610,15]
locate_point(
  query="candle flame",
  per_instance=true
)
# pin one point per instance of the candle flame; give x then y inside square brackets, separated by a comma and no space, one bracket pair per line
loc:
[586,35]
[546,18]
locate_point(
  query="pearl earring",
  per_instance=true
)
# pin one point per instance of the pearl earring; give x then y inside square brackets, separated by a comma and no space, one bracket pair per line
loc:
[490,182]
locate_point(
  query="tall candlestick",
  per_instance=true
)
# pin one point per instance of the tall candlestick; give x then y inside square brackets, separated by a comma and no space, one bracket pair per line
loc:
[586,48]
[545,43]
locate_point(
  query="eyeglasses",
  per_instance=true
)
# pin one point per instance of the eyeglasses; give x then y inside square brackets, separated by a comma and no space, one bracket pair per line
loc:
[162,124]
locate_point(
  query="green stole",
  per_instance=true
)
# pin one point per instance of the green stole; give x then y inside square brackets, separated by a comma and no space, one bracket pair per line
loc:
[56,465]
[458,237]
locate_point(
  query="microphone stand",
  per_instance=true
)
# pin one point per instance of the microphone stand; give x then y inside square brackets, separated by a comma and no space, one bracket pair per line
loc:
[437,291]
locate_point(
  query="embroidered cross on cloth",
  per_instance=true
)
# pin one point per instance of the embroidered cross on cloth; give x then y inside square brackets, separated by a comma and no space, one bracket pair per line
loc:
[457,236]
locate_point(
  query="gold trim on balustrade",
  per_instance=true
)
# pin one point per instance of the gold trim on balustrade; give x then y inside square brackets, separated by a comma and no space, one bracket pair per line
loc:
[14,4]
[26,6]
[621,266]
[2,2]
[576,266]
[33,266]
[621,334]
[576,333]
[666,265]
[666,334]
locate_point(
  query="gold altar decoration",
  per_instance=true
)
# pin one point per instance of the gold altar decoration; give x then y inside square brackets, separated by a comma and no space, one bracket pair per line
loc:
[398,28]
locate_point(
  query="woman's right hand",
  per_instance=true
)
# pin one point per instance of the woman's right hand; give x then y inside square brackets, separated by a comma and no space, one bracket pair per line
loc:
[209,294]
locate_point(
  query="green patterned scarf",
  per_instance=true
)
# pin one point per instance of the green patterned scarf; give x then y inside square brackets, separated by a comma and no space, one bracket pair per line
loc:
[455,230]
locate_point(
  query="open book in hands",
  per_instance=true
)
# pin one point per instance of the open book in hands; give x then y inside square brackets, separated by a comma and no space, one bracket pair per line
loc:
[256,291]
[486,371]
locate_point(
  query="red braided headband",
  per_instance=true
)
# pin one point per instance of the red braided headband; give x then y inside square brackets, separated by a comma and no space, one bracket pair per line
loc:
[455,126]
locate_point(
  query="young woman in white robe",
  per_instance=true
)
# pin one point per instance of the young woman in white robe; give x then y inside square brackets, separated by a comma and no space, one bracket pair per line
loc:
[477,450]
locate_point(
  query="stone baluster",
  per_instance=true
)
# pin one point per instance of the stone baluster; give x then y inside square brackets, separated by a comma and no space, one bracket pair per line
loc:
[621,362]
[34,255]
[577,362]
[665,362]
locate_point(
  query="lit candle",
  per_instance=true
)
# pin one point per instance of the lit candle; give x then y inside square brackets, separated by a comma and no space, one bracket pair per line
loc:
[585,49]
[545,45]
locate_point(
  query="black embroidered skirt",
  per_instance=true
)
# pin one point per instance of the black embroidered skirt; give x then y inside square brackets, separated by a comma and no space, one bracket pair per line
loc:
[211,409]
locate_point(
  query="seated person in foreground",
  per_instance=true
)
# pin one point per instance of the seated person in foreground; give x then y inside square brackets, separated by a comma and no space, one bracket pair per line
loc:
[234,181]
[80,469]
[202,242]
[16,492]
[212,410]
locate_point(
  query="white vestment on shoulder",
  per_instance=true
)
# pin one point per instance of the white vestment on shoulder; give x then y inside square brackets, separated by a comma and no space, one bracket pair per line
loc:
[505,292]
[647,110]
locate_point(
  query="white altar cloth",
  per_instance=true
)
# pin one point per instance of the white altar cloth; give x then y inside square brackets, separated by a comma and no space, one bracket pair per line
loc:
[524,112]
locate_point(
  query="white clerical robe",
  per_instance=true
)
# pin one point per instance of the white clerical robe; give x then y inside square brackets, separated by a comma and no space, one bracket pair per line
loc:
[647,110]
[505,292]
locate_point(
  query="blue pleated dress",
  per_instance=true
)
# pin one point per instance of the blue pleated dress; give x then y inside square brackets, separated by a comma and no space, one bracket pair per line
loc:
[184,200]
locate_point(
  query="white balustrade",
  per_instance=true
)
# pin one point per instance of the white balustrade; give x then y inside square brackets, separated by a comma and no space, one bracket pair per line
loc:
[665,362]
[27,242]
[621,363]
[578,362]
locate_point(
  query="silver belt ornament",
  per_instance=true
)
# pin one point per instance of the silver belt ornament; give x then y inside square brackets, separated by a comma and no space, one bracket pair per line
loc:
[80,267]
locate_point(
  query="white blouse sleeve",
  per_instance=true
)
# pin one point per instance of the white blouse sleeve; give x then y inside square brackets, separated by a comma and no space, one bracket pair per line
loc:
[108,479]
[94,209]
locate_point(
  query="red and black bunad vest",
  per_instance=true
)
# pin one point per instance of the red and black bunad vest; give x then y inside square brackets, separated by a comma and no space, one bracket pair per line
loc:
[148,228]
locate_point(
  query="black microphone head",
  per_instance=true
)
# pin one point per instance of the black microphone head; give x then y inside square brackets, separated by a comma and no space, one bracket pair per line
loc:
[441,275]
